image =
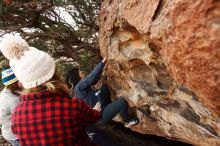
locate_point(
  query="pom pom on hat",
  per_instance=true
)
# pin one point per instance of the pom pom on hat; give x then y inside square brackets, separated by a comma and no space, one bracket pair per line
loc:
[13,46]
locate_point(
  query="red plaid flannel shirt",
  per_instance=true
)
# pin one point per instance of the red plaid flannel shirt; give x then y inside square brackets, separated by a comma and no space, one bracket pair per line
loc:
[43,119]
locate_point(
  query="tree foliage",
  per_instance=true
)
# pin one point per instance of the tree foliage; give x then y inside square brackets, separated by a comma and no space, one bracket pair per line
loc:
[64,28]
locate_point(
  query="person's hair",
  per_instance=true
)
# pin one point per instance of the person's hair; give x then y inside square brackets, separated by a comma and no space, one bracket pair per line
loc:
[14,88]
[55,86]
[72,77]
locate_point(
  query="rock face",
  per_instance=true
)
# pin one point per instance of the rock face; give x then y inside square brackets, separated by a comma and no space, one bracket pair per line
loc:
[164,58]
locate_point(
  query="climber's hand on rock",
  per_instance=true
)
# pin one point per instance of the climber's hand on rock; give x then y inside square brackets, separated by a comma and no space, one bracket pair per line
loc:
[97,107]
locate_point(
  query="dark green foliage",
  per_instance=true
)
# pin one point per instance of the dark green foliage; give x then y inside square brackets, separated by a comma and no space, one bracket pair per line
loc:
[42,24]
[85,59]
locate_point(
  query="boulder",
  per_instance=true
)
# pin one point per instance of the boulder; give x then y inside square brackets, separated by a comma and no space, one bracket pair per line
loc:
[163,56]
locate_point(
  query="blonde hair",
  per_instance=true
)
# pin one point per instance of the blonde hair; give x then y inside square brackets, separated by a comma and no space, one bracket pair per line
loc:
[55,86]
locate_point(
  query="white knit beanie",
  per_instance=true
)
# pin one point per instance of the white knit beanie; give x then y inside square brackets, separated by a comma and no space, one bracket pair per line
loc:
[31,66]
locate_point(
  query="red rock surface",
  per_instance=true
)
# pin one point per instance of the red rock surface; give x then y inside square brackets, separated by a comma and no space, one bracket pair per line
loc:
[163,55]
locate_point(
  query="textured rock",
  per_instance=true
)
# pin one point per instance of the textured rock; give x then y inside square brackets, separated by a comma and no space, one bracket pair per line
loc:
[164,58]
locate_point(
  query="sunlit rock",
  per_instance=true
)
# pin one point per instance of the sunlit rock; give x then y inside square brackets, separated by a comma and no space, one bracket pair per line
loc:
[163,56]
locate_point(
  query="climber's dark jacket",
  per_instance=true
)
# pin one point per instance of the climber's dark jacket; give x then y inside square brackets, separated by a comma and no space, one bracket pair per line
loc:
[83,88]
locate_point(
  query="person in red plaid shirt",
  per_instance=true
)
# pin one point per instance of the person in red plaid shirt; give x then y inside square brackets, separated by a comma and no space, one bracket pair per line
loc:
[46,115]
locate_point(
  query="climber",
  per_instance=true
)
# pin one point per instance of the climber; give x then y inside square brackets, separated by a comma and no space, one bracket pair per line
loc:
[46,115]
[83,89]
[9,98]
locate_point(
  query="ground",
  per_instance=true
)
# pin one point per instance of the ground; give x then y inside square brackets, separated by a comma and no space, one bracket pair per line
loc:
[115,134]
[122,136]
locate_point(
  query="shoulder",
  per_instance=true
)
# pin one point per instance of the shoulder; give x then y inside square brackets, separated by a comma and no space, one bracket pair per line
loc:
[79,86]
[12,97]
[8,101]
[6,94]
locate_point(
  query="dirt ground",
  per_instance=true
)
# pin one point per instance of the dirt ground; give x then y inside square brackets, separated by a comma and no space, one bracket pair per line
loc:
[115,134]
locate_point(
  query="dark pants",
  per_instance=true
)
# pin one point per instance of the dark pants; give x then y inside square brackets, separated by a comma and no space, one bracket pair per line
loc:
[111,108]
